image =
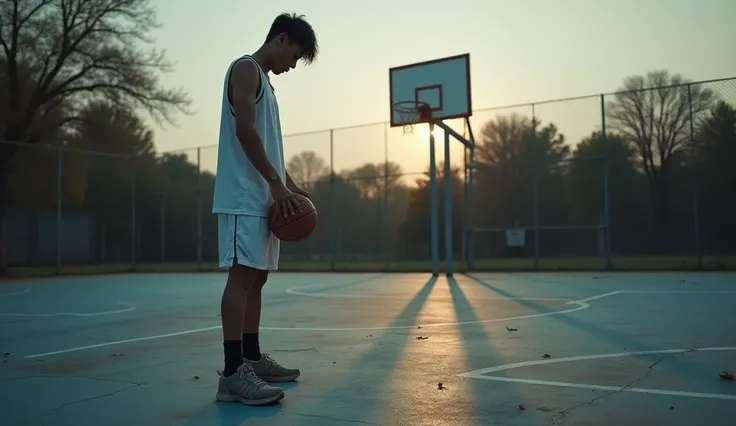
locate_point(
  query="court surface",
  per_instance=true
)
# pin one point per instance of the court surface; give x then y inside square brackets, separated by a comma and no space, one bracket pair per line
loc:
[623,348]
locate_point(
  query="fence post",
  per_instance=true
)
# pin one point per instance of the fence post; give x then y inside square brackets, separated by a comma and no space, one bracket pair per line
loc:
[331,203]
[59,203]
[535,187]
[162,212]
[606,192]
[694,154]
[133,227]
[199,208]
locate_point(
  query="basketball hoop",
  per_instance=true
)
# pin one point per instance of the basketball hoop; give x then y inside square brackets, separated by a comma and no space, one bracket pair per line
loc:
[413,112]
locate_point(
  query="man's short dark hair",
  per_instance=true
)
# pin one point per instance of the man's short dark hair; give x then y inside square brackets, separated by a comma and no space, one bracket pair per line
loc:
[299,32]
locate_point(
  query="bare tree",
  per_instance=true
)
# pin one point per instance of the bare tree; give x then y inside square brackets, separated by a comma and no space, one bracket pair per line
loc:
[653,114]
[306,167]
[70,53]
[517,138]
[375,180]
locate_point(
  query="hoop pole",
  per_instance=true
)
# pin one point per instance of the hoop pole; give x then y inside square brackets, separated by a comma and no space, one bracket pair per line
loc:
[448,207]
[433,221]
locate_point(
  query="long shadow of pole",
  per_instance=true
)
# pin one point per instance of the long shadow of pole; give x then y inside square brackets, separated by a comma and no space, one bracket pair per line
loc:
[355,397]
[625,342]
[480,353]
[321,290]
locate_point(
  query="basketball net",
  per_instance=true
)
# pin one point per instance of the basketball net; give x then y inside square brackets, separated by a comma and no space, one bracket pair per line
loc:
[413,112]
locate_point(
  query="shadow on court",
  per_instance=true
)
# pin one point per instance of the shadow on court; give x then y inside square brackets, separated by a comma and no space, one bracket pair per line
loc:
[477,345]
[360,396]
[321,290]
[597,332]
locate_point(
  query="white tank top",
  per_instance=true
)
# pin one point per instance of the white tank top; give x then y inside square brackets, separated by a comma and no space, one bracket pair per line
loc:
[239,188]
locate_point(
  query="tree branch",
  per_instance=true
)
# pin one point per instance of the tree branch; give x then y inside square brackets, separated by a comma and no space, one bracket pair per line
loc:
[76,51]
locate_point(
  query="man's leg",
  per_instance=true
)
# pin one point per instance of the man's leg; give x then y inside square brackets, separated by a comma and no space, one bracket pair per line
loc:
[252,319]
[240,281]
[263,365]
[238,381]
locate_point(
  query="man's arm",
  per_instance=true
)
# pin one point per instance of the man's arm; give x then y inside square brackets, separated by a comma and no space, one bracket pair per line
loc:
[296,188]
[244,91]
[290,182]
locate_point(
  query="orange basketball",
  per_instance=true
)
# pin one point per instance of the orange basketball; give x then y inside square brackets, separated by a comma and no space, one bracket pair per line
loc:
[296,227]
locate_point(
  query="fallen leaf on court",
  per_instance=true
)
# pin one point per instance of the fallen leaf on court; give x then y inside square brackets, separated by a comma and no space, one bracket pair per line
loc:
[521,407]
[370,335]
[334,362]
[195,377]
[419,326]
[725,375]
[672,408]
[440,386]
[422,337]
[512,329]
[546,356]
[39,361]
[7,354]
[116,354]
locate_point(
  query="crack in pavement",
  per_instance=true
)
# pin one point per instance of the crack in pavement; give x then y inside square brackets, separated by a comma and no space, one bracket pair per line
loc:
[78,401]
[75,376]
[338,419]
[561,417]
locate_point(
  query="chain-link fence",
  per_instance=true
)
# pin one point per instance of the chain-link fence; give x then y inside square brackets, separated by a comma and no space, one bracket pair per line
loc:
[629,179]
[634,179]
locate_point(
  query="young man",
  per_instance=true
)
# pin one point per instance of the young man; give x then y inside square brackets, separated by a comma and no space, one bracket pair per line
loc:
[251,175]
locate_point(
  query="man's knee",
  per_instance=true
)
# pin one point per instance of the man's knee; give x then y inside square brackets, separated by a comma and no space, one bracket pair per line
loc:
[244,276]
[261,278]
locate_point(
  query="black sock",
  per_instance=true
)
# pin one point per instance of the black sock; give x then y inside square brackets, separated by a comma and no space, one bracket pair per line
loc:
[233,356]
[251,346]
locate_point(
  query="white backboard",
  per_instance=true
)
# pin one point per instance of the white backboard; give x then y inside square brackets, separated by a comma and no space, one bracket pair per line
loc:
[442,83]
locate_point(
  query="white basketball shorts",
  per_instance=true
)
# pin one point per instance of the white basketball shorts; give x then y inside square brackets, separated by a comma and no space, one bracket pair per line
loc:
[247,240]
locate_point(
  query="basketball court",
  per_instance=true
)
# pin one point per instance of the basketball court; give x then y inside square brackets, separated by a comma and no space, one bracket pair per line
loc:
[379,349]
[638,348]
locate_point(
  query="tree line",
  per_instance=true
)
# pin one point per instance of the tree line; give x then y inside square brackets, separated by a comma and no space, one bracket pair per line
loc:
[79,74]
[665,158]
[375,212]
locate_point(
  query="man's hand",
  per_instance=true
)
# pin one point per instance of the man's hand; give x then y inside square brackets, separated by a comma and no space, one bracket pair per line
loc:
[298,190]
[293,187]
[284,199]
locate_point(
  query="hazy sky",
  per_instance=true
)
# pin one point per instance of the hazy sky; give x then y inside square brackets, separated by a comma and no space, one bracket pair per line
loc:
[521,51]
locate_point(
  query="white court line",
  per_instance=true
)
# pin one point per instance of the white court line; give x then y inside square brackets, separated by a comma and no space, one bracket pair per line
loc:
[580,306]
[295,291]
[612,388]
[600,296]
[16,293]
[483,373]
[71,314]
[120,342]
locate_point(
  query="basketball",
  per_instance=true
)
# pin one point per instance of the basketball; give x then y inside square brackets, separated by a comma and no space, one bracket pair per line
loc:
[296,227]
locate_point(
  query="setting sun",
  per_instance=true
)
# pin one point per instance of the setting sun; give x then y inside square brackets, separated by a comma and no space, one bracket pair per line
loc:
[421,131]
